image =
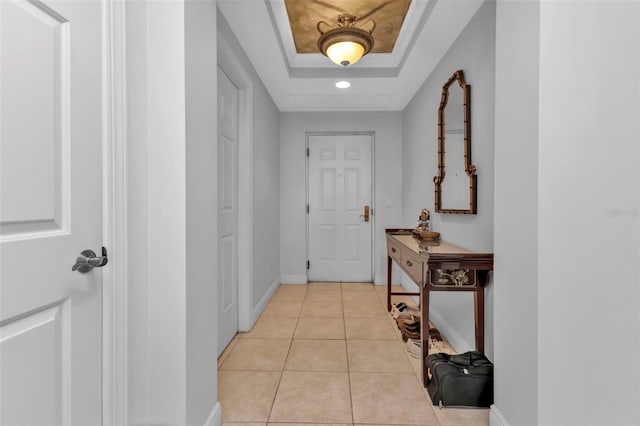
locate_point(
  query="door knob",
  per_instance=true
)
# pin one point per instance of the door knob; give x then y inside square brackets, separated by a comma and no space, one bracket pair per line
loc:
[88,260]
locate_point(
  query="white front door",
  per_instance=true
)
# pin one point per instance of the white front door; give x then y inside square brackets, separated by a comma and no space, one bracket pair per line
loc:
[339,207]
[227,210]
[51,112]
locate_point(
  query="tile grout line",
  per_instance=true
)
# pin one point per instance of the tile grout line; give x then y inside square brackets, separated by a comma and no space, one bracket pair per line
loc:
[346,348]
[273,402]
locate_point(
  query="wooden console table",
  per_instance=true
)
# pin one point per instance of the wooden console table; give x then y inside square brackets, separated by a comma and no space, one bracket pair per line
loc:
[438,266]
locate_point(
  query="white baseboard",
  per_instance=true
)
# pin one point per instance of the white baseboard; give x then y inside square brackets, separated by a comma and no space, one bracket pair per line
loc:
[257,310]
[293,279]
[496,418]
[215,417]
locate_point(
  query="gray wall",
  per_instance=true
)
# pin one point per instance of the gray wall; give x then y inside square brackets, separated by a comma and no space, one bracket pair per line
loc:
[516,211]
[172,216]
[567,213]
[473,52]
[266,192]
[201,209]
[388,181]
[171,166]
[265,133]
[589,212]
[156,222]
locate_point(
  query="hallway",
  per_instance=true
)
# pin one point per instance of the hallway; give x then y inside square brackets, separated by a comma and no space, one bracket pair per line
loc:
[328,353]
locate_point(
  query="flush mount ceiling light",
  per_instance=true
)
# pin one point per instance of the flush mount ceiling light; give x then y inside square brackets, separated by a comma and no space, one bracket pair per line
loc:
[343,84]
[345,44]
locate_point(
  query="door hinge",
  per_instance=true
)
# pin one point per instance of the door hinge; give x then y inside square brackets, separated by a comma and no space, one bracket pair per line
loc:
[307,152]
[308,265]
[307,208]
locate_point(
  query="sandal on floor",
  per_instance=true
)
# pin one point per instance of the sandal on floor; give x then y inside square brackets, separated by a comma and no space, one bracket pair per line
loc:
[407,319]
[398,308]
[406,334]
[415,327]
[434,334]
[414,347]
[397,311]
[410,308]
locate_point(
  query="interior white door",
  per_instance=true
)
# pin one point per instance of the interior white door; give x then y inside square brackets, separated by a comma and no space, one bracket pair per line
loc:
[51,132]
[339,192]
[227,210]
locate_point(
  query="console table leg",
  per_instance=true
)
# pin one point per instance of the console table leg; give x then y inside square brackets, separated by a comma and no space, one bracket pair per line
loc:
[478,298]
[424,333]
[389,263]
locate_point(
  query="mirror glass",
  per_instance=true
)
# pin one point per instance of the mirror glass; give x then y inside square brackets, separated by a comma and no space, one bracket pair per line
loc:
[455,184]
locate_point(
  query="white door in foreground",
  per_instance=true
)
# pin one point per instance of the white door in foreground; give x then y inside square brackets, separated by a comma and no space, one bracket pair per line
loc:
[51,112]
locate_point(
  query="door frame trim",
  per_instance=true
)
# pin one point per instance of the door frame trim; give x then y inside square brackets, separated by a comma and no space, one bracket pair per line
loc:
[231,66]
[372,134]
[115,381]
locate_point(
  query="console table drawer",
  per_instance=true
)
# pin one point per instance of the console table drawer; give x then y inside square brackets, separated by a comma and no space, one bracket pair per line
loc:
[394,251]
[412,265]
[452,277]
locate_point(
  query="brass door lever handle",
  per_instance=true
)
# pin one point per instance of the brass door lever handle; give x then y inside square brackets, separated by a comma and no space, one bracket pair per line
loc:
[366,214]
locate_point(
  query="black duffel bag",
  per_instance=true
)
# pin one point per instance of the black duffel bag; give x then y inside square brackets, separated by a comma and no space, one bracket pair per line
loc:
[464,380]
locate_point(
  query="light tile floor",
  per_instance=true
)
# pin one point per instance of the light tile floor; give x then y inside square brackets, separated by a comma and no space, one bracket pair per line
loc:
[328,353]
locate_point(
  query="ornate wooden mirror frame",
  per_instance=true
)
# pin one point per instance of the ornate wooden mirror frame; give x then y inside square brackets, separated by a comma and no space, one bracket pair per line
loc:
[469,169]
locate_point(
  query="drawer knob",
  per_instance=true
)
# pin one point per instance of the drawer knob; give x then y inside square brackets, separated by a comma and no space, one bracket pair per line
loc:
[393,249]
[409,264]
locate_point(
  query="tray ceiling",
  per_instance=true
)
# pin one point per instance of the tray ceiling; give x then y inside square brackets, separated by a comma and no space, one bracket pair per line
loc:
[379,81]
[304,15]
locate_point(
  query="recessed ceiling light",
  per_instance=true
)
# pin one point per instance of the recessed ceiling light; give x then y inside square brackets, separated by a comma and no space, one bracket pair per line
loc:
[343,84]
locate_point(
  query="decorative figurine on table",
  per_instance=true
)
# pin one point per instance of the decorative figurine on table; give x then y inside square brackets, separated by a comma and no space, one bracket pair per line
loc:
[422,228]
[423,220]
